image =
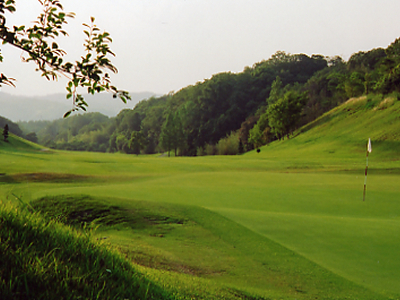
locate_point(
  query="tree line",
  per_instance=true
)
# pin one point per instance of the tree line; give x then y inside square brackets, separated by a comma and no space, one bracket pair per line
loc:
[245,110]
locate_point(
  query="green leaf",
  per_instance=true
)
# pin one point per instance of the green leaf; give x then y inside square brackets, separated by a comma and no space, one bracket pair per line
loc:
[67,114]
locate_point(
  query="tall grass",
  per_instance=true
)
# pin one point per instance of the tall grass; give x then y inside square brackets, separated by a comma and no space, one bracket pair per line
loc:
[45,260]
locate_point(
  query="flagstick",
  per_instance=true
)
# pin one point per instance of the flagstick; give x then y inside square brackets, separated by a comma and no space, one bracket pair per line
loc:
[369,149]
[365,180]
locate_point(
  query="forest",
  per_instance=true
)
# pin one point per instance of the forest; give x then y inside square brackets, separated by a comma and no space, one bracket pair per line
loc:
[230,113]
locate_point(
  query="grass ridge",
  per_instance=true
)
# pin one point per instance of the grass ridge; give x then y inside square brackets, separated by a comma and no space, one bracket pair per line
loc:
[46,260]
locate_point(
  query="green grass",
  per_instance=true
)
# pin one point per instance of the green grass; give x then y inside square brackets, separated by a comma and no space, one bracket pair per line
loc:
[45,260]
[163,237]
[286,223]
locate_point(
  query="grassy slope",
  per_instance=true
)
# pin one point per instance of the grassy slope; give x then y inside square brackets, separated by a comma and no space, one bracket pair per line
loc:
[45,260]
[304,193]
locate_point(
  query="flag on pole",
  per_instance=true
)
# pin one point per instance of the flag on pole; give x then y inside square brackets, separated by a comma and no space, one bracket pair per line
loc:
[369,146]
[369,150]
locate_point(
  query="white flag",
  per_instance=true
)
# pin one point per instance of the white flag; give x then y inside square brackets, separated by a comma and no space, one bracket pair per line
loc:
[369,146]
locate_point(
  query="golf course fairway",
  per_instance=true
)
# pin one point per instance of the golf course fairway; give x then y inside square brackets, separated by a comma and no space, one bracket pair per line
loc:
[300,197]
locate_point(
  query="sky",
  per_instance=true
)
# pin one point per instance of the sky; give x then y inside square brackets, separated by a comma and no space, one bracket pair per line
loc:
[163,46]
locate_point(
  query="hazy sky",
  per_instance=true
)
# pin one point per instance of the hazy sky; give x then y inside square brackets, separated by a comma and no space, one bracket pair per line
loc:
[165,45]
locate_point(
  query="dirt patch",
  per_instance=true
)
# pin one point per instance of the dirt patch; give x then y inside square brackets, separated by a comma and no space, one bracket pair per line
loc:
[162,263]
[4,178]
[242,295]
[47,177]
[356,99]
[386,103]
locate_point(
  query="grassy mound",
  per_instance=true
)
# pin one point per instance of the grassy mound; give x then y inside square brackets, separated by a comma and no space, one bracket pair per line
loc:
[16,143]
[44,260]
[79,210]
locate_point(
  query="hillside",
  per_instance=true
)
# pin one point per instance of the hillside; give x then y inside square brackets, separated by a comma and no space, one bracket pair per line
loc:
[340,135]
[18,144]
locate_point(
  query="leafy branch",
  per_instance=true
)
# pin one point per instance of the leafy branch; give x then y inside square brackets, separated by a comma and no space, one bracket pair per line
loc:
[39,45]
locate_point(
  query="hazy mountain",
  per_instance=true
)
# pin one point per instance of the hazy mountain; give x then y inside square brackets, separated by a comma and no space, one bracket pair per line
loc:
[51,107]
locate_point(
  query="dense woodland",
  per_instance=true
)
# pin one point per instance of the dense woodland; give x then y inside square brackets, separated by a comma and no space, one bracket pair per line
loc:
[229,113]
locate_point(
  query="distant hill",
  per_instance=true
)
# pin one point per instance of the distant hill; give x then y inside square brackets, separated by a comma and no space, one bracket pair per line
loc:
[13,127]
[16,144]
[51,107]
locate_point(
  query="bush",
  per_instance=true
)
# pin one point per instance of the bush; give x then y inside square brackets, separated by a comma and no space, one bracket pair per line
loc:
[228,145]
[373,100]
[200,151]
[210,149]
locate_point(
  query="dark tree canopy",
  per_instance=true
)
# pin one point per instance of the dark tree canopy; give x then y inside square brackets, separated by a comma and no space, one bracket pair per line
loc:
[5,132]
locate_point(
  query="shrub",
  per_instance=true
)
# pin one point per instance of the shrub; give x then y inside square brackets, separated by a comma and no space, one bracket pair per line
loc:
[228,145]
[210,149]
[373,100]
[200,151]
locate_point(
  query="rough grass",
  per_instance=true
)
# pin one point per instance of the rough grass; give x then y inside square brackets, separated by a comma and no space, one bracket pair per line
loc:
[81,210]
[44,260]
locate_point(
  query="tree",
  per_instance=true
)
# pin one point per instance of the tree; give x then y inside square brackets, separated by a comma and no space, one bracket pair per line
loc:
[172,135]
[244,132]
[167,135]
[137,142]
[255,136]
[39,45]
[276,117]
[260,134]
[284,115]
[390,69]
[32,137]
[354,85]
[122,143]
[5,132]
[276,91]
[179,135]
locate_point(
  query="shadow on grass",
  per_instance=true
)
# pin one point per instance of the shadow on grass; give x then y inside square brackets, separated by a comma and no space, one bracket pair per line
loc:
[83,210]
